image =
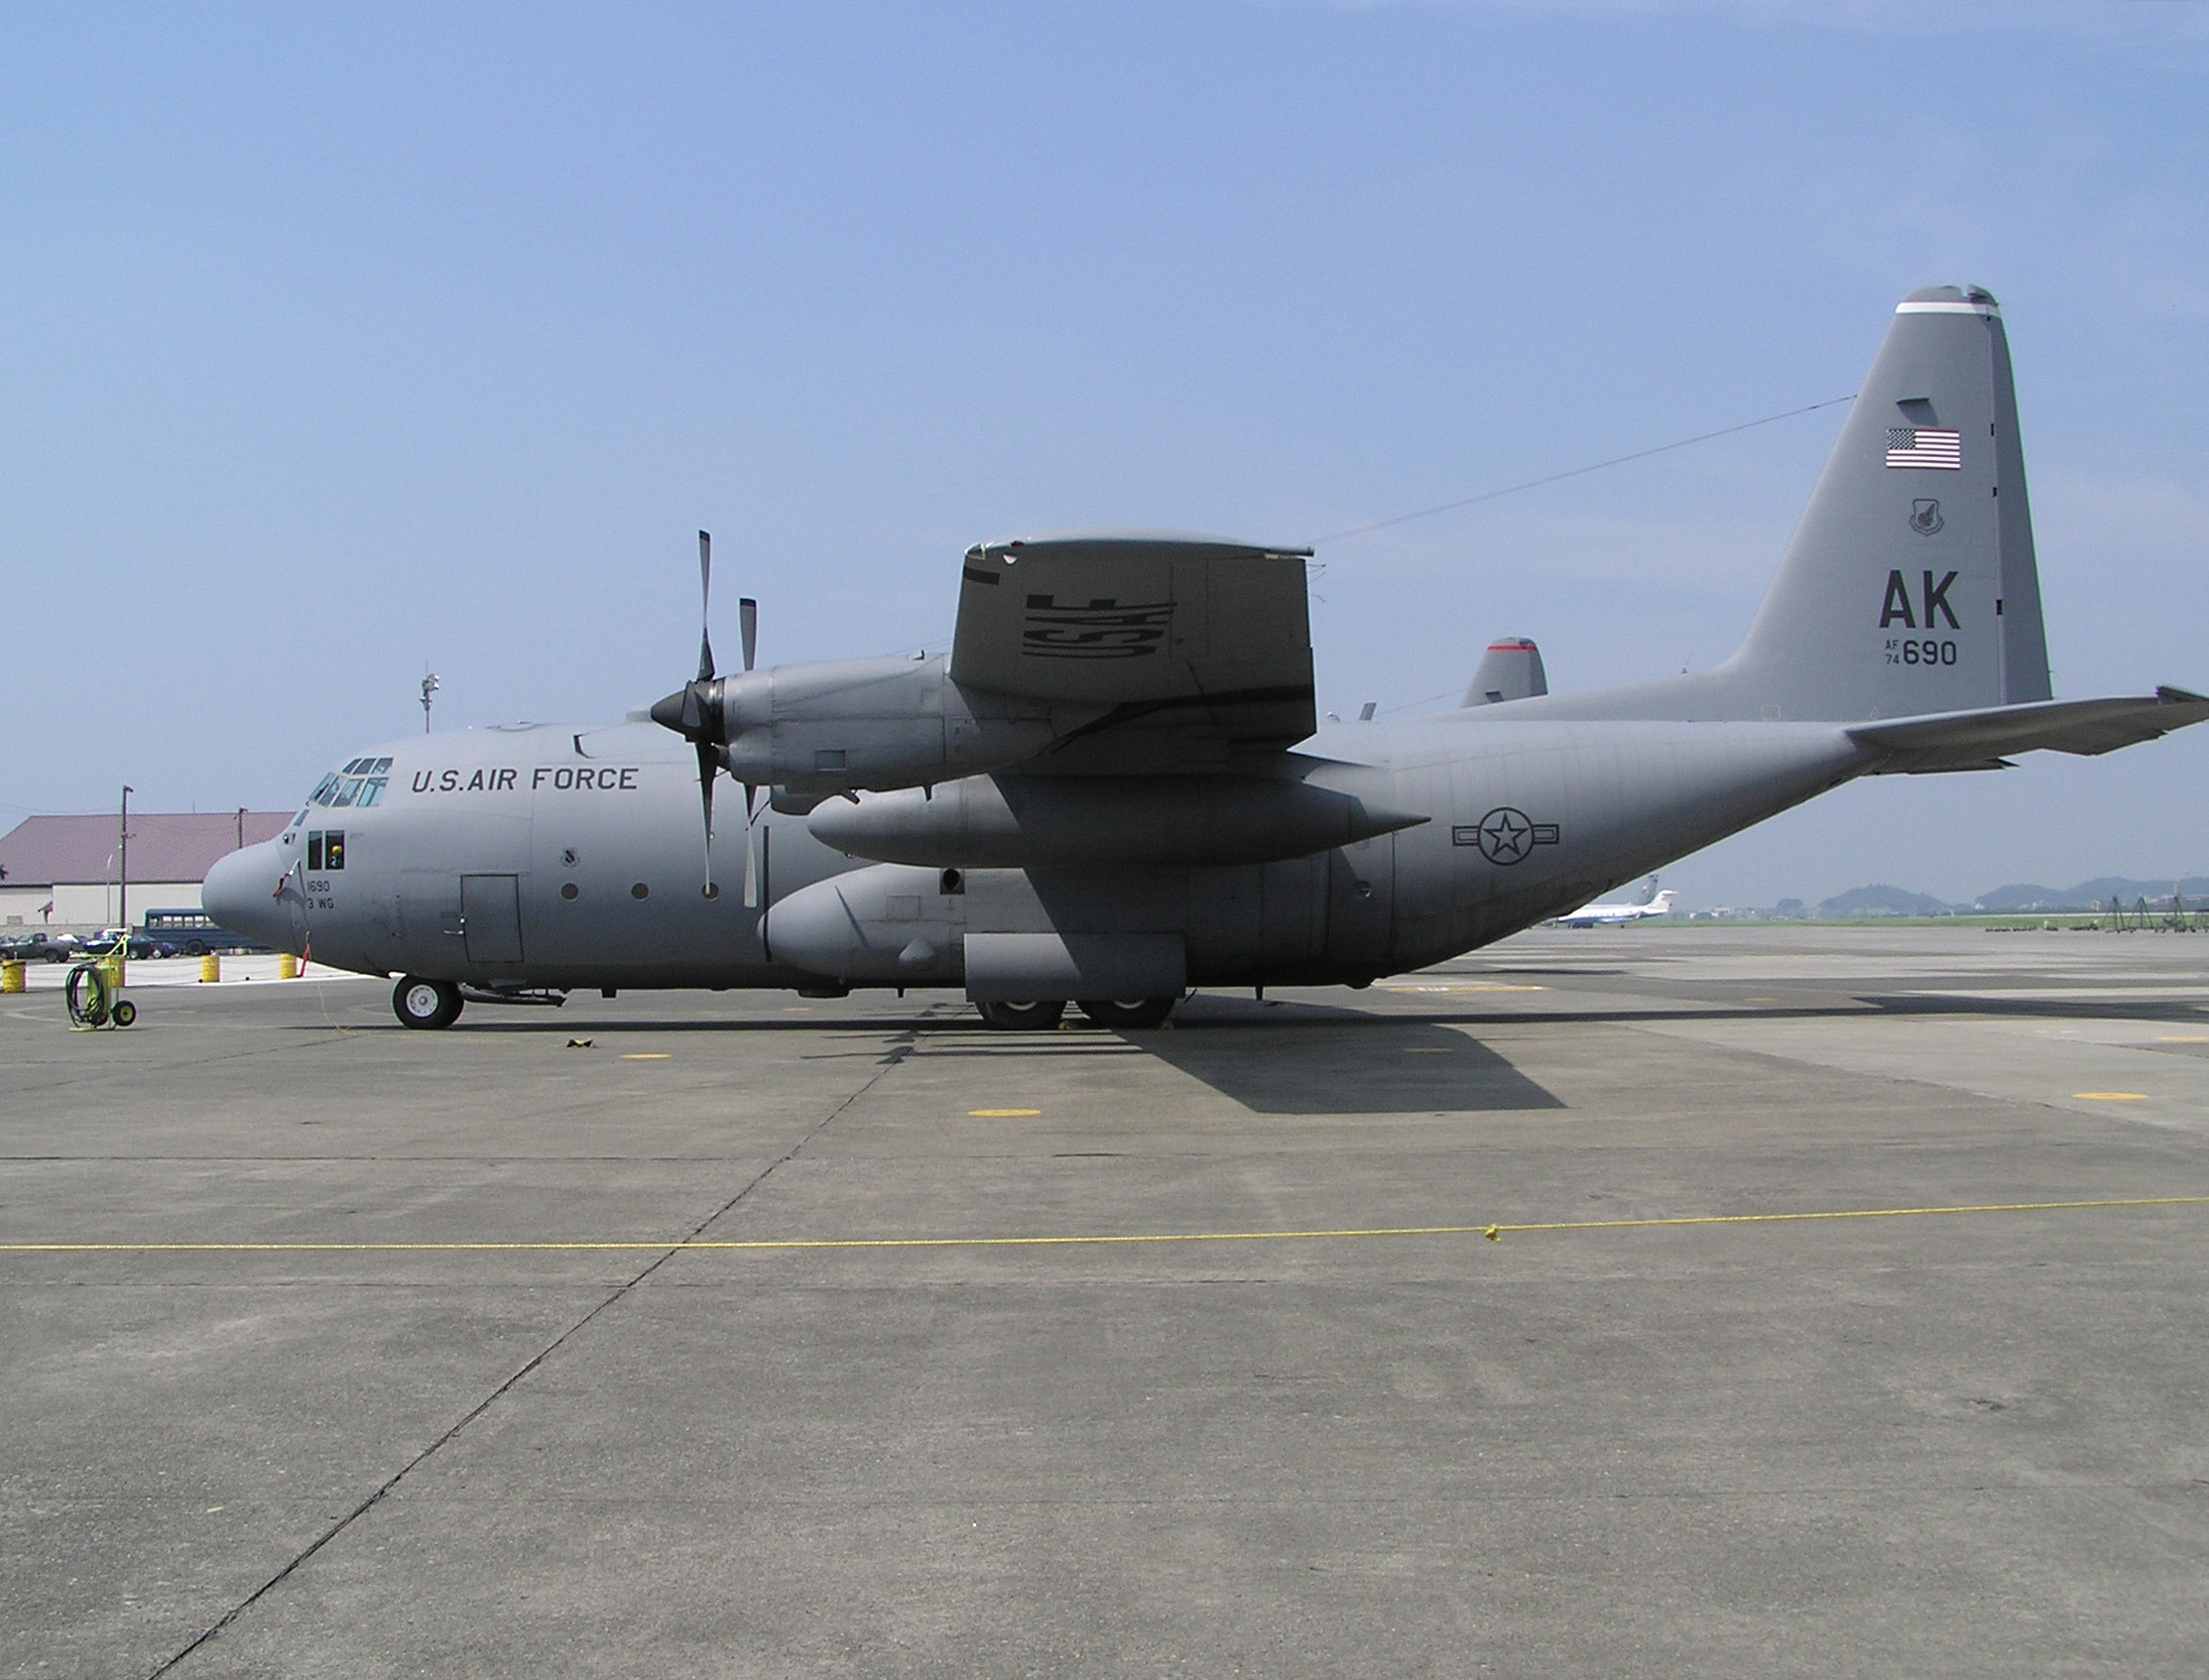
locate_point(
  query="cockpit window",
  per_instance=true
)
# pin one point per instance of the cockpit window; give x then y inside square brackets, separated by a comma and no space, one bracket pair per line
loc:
[360,783]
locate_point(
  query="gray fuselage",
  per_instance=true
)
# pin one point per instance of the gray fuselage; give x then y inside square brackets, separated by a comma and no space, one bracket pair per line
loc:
[547,857]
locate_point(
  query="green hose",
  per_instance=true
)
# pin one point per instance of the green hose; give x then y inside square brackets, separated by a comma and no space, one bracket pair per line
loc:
[89,995]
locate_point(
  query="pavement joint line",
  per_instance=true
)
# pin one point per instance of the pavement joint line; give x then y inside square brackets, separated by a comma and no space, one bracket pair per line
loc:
[900,1047]
[1495,1232]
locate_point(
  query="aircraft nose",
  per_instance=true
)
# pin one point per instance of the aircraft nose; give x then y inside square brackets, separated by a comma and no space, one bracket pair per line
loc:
[239,894]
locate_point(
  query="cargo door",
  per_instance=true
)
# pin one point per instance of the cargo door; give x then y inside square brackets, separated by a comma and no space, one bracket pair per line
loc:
[491,918]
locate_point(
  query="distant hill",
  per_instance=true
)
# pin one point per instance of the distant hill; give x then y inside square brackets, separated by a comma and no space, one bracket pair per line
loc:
[2089,893]
[1881,901]
[2018,897]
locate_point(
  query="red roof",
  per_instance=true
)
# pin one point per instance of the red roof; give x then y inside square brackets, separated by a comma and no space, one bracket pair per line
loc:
[42,851]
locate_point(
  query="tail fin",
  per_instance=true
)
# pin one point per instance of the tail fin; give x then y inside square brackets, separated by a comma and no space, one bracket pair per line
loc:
[1511,669]
[1661,904]
[1910,585]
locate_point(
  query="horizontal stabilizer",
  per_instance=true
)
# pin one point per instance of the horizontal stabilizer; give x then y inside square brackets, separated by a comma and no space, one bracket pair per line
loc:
[1977,740]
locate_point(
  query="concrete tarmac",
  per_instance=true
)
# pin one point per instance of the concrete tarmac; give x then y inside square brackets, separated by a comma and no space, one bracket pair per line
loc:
[334,1349]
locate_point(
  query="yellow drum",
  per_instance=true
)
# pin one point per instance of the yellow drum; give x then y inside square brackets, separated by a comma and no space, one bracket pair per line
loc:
[287,966]
[11,976]
[210,969]
[113,967]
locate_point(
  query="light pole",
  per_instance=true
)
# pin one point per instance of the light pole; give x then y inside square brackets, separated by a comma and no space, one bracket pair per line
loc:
[428,687]
[122,873]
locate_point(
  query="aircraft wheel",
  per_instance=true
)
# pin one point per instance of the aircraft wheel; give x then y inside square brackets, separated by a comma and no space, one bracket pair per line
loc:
[124,1013]
[1128,1013]
[1023,1017]
[425,1003]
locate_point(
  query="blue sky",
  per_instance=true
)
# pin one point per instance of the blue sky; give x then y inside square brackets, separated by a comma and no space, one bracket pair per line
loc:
[338,342]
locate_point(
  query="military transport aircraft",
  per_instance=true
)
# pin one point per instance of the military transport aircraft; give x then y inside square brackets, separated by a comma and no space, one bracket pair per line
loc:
[1114,788]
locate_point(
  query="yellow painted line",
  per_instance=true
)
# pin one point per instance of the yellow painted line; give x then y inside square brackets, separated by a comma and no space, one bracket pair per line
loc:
[1002,1114]
[2182,1038]
[645,1056]
[1484,988]
[2108,1096]
[1493,1232]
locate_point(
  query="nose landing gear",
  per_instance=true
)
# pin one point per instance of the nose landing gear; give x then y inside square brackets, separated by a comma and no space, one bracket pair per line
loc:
[427,1004]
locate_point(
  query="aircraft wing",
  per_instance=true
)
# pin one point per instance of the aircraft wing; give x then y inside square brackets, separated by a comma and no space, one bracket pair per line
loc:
[1188,646]
[1977,740]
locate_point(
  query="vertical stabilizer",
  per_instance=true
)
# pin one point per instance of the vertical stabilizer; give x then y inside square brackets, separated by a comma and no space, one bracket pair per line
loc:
[1511,669]
[1910,585]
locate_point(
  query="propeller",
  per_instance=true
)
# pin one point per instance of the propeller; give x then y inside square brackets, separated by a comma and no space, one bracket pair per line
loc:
[695,714]
[700,703]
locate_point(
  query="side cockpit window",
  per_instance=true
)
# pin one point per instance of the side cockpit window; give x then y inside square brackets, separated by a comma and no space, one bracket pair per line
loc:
[325,849]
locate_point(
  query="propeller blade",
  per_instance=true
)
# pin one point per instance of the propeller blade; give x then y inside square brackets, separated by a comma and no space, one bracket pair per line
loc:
[708,766]
[748,615]
[751,853]
[705,605]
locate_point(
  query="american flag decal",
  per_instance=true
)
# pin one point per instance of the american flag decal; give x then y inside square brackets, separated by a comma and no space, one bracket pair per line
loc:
[1921,446]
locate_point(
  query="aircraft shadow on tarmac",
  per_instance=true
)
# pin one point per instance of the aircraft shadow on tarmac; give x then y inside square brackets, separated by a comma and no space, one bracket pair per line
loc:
[1273,1058]
[1307,1058]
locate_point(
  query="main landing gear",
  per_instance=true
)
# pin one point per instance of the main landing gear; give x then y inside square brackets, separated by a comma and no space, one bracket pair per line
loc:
[1116,1013]
[425,1003]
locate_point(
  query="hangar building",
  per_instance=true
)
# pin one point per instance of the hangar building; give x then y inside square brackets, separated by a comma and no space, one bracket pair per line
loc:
[64,871]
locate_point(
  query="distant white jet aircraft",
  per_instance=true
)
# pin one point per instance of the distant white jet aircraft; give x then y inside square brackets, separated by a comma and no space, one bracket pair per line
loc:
[1617,915]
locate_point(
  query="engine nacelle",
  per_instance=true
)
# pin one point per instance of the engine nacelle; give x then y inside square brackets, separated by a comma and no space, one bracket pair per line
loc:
[848,724]
[1107,821]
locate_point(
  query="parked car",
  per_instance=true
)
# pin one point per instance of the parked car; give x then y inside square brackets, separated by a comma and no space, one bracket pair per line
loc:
[40,947]
[138,947]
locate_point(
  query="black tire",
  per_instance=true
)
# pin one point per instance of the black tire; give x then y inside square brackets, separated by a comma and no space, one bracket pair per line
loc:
[427,1004]
[195,948]
[124,1013]
[1025,1017]
[1126,1015]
